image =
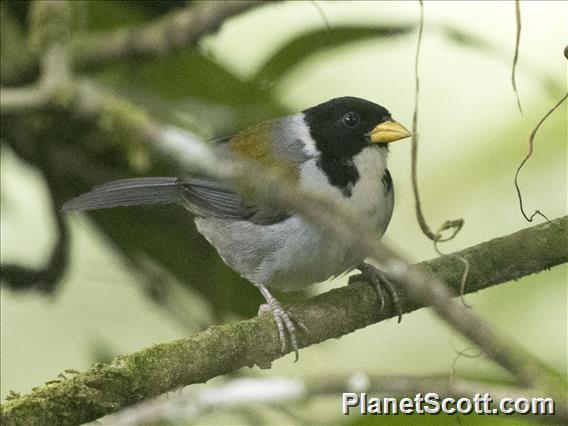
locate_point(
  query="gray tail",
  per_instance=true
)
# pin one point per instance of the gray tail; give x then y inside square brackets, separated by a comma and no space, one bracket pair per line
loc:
[127,192]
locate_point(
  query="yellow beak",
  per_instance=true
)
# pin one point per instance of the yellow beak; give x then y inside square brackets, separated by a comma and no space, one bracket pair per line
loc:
[388,132]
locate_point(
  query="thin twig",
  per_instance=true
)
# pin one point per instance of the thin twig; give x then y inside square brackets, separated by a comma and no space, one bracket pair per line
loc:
[529,154]
[457,224]
[463,353]
[516,55]
[414,152]
[324,19]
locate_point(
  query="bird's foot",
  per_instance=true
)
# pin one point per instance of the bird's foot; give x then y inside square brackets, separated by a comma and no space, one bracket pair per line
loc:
[380,281]
[286,325]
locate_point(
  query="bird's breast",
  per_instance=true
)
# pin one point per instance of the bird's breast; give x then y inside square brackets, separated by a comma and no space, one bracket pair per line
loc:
[370,196]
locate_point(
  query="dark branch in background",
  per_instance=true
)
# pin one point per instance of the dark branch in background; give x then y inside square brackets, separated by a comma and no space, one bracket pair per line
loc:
[457,224]
[529,154]
[220,350]
[161,37]
[516,55]
[18,277]
[48,37]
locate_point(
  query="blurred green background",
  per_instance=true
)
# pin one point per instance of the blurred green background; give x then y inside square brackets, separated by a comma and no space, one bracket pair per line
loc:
[142,276]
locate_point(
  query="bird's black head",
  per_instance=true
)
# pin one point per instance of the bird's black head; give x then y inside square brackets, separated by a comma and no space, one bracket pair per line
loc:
[342,127]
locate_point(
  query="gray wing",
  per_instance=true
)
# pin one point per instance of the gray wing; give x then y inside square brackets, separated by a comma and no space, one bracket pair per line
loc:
[201,195]
[208,197]
[127,192]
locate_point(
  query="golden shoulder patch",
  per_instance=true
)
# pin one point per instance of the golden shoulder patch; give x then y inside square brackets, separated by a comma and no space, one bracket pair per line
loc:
[256,144]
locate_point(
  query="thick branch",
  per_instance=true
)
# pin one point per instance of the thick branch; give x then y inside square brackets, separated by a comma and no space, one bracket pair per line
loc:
[220,350]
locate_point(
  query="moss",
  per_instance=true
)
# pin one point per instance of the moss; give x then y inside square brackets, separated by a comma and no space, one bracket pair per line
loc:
[12,395]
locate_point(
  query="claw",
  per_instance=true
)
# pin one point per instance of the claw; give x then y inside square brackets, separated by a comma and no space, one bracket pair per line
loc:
[281,327]
[380,281]
[264,309]
[376,283]
[301,325]
[291,328]
[287,327]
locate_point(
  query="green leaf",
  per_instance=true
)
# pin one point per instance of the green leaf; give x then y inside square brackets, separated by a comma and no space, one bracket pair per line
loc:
[107,15]
[193,85]
[316,41]
[467,38]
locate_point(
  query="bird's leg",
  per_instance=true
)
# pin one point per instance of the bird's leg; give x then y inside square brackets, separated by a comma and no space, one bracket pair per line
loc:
[286,326]
[380,281]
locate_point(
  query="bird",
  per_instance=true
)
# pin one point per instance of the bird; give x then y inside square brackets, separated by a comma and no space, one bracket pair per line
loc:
[338,148]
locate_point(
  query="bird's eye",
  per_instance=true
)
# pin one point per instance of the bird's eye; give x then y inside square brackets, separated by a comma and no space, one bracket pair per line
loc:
[351,120]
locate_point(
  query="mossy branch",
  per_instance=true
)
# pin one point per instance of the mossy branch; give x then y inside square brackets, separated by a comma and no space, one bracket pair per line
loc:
[223,349]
